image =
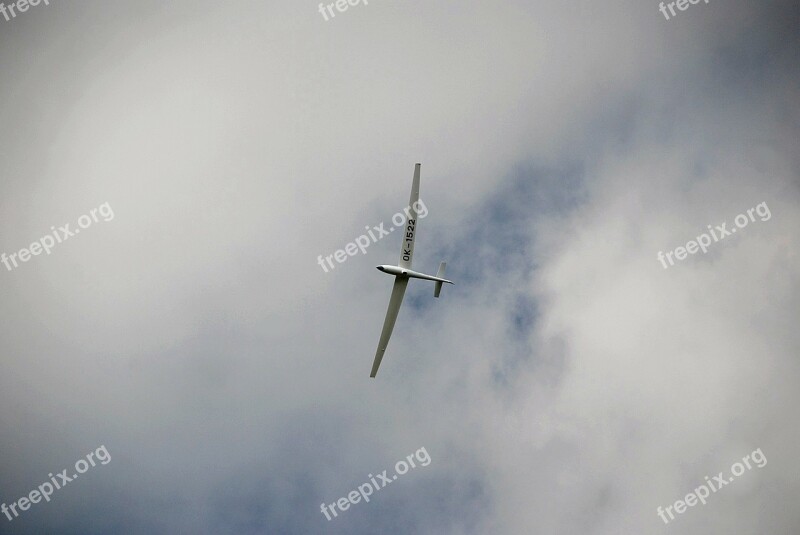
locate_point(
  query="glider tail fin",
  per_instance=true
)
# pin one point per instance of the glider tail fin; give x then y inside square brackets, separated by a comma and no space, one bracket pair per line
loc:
[440,274]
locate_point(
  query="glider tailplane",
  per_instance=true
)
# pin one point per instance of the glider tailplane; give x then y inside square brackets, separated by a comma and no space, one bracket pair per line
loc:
[440,274]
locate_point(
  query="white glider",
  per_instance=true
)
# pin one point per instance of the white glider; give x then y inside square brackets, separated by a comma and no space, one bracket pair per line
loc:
[403,272]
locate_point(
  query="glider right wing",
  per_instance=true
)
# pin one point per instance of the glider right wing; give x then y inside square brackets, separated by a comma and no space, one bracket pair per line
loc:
[398,290]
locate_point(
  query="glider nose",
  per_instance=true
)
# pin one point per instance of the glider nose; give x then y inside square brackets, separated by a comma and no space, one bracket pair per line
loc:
[379,268]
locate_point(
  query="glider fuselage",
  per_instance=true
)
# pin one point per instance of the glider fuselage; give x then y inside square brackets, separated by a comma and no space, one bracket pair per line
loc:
[405,272]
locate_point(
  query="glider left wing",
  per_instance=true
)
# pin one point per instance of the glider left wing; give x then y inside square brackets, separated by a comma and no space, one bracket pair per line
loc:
[410,230]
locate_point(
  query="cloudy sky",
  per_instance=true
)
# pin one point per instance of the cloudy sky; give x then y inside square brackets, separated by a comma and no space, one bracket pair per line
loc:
[568,383]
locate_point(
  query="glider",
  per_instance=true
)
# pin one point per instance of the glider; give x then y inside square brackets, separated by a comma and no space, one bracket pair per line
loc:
[402,273]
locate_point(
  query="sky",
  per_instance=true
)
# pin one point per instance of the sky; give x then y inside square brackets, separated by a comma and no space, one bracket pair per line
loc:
[172,345]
